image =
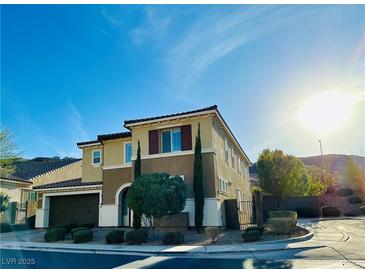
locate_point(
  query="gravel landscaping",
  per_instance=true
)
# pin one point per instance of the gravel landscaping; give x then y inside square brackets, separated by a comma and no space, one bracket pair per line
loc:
[225,237]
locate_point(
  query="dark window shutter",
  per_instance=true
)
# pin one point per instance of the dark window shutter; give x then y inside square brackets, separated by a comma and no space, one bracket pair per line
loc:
[186,140]
[153,141]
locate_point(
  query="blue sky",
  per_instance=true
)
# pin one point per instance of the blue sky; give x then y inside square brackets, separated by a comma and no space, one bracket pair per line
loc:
[69,73]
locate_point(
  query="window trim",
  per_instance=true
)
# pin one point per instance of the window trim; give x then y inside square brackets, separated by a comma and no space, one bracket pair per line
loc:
[223,186]
[92,157]
[125,153]
[226,156]
[171,140]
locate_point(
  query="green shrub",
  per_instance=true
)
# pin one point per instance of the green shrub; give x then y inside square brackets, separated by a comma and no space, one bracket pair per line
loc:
[51,236]
[211,232]
[74,230]
[30,222]
[281,225]
[114,237]
[251,235]
[82,236]
[173,238]
[362,210]
[5,227]
[330,211]
[88,225]
[355,200]
[139,236]
[55,234]
[350,214]
[255,228]
[307,212]
[285,214]
[344,192]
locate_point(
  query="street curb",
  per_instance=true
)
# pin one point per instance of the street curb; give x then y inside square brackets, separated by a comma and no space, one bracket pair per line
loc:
[164,250]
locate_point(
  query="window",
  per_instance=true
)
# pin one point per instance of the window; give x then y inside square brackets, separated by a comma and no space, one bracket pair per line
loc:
[226,150]
[223,185]
[239,167]
[171,140]
[128,153]
[96,157]
[239,199]
[233,158]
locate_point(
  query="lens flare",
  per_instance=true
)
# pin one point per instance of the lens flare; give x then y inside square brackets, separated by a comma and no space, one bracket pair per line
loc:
[326,112]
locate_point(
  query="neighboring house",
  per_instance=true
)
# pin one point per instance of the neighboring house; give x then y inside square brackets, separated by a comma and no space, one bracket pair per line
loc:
[30,173]
[167,145]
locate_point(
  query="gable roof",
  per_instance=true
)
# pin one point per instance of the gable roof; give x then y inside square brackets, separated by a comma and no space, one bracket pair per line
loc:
[26,170]
[129,122]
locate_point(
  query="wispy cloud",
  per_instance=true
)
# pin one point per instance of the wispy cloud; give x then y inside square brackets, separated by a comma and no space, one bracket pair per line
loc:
[75,122]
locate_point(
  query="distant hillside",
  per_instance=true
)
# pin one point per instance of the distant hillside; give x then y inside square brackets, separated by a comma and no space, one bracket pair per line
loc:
[336,163]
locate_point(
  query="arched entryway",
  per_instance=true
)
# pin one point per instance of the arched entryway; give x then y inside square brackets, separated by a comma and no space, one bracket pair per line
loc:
[124,212]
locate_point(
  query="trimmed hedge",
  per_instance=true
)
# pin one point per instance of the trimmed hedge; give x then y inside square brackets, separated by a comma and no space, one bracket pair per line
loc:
[362,210]
[355,200]
[344,192]
[307,212]
[173,238]
[114,237]
[281,225]
[88,225]
[330,211]
[292,215]
[251,235]
[74,230]
[82,236]
[139,236]
[55,234]
[255,228]
[5,227]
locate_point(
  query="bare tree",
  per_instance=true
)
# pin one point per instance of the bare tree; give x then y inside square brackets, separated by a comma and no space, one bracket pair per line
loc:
[9,152]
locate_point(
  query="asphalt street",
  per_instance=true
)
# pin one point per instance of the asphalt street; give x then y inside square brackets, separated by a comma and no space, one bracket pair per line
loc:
[336,244]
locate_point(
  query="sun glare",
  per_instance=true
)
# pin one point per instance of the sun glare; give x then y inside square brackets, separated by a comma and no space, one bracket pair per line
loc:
[326,112]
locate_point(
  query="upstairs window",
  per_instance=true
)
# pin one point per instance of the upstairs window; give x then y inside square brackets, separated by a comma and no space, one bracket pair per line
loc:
[128,153]
[96,157]
[171,140]
[226,150]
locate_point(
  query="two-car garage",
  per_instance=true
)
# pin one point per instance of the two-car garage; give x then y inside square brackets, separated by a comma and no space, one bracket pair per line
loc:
[82,209]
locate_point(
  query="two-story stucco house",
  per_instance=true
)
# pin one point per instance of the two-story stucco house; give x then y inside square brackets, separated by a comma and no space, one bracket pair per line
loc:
[167,145]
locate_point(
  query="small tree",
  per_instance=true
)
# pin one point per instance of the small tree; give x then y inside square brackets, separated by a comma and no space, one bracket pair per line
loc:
[354,176]
[137,222]
[8,153]
[4,202]
[198,183]
[155,195]
[281,175]
[319,181]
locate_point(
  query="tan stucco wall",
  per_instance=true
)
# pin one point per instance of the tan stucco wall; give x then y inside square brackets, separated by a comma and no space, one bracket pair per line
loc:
[184,165]
[114,151]
[141,133]
[226,171]
[72,171]
[12,190]
[91,173]
[113,180]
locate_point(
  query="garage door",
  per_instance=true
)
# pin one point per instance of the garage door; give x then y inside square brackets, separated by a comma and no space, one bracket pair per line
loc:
[74,209]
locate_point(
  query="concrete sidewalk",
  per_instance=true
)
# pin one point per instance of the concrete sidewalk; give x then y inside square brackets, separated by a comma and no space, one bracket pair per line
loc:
[319,234]
[161,249]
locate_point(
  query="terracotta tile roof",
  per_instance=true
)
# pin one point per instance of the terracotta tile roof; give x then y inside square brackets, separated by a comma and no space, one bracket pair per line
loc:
[28,169]
[14,178]
[126,122]
[87,143]
[68,183]
[112,136]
